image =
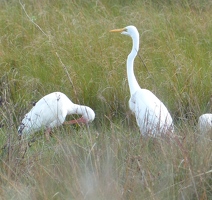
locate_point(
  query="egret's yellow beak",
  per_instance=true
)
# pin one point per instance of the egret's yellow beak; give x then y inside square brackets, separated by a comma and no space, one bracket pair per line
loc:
[117,30]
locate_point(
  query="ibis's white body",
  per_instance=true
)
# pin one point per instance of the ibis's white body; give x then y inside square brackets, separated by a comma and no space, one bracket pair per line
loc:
[51,111]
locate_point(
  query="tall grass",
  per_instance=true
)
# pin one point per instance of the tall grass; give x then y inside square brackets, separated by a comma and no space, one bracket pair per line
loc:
[66,46]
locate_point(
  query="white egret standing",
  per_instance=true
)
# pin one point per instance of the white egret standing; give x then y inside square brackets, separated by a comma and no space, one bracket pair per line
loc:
[151,114]
[51,111]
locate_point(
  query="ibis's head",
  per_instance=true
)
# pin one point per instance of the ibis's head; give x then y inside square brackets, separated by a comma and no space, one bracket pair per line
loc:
[128,30]
[88,115]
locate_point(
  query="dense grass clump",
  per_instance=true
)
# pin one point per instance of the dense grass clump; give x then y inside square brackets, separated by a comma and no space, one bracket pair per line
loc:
[66,46]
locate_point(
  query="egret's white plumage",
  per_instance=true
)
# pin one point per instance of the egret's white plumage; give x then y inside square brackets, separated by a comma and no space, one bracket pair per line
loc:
[51,111]
[151,114]
[205,123]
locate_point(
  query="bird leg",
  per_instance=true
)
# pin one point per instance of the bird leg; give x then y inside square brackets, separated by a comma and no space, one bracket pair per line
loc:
[47,133]
[23,147]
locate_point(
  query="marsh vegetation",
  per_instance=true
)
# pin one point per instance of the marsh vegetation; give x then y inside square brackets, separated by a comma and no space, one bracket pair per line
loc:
[48,46]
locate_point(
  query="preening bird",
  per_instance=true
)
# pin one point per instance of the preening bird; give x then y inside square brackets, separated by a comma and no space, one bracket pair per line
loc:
[51,111]
[151,114]
[205,123]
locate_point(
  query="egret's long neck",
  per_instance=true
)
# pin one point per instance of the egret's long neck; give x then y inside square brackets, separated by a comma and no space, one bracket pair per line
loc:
[133,84]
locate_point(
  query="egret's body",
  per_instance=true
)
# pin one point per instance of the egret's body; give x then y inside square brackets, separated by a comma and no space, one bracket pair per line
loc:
[151,114]
[51,111]
[205,123]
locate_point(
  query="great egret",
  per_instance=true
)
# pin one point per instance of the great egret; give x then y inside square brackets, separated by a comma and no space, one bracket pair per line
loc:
[151,114]
[205,123]
[51,111]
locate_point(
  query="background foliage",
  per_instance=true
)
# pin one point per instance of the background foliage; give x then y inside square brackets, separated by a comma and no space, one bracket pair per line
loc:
[66,46]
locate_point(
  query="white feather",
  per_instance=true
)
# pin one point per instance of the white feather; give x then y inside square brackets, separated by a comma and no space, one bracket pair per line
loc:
[151,114]
[51,111]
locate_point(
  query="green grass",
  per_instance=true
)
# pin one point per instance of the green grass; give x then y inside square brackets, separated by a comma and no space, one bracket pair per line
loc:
[66,46]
